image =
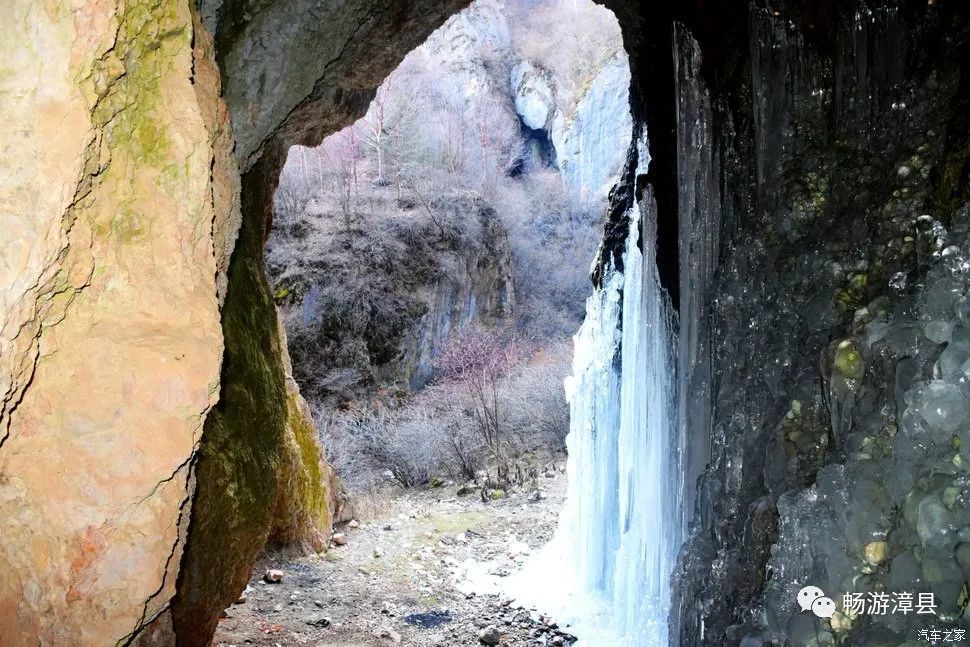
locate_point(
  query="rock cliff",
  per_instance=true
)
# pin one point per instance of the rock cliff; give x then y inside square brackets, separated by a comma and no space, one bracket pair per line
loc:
[589,131]
[811,164]
[822,201]
[590,139]
[369,308]
[120,199]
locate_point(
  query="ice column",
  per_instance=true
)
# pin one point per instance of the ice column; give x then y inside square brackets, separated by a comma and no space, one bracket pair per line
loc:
[621,526]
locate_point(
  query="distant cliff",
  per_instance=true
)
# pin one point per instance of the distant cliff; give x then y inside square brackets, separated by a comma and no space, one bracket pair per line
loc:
[370,306]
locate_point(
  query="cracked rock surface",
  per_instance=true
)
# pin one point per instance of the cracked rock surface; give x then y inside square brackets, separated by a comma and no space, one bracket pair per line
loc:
[109,327]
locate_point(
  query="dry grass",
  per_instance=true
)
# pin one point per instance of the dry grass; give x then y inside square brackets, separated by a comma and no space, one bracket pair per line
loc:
[377,503]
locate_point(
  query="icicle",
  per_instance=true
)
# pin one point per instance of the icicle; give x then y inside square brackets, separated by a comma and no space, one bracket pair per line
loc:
[620,528]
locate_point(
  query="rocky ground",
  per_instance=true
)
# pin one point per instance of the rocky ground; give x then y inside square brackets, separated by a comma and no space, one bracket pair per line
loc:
[423,570]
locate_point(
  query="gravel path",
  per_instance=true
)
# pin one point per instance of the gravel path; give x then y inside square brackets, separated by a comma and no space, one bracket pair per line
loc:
[404,578]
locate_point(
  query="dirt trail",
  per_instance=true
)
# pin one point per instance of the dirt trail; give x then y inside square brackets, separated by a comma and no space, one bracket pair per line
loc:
[403,577]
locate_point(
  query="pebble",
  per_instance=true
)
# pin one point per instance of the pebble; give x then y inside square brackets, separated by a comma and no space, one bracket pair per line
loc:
[489,620]
[489,636]
[876,552]
[273,576]
[317,620]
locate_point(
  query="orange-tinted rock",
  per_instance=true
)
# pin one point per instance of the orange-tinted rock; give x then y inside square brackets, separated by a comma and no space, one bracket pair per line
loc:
[111,337]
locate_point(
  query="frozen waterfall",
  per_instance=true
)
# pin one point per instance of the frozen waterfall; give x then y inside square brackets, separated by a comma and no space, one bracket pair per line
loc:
[607,572]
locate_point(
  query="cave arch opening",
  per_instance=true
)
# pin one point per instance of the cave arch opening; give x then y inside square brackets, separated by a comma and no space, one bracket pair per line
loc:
[281,97]
[356,227]
[101,478]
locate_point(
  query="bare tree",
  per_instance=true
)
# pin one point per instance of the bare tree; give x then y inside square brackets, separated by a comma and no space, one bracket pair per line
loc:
[402,442]
[454,144]
[464,452]
[378,127]
[477,360]
[435,217]
[341,153]
[534,399]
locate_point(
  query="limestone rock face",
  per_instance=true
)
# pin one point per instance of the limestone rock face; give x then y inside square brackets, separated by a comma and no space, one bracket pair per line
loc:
[415,297]
[458,44]
[589,133]
[590,138]
[146,426]
[297,70]
[476,287]
[533,93]
[118,198]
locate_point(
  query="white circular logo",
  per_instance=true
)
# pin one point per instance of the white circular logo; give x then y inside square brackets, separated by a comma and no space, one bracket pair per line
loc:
[823,607]
[808,595]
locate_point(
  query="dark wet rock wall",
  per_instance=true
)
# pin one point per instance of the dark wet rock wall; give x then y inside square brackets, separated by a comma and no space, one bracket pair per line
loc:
[822,205]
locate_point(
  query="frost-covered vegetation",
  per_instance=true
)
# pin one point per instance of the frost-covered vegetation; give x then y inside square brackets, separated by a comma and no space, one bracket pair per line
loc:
[444,227]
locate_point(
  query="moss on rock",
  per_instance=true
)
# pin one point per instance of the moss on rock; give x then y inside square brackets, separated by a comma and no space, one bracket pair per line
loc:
[309,494]
[301,514]
[240,452]
[848,361]
[260,473]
